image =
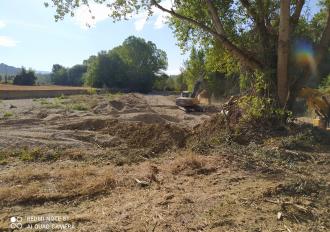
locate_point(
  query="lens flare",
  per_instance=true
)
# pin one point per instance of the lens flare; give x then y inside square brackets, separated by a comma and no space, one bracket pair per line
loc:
[304,55]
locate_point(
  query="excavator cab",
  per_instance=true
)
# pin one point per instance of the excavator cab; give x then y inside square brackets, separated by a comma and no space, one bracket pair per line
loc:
[185,94]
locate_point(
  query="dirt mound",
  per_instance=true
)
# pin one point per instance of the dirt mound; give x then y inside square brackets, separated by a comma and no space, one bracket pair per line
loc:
[148,118]
[156,137]
[118,105]
[289,136]
[129,103]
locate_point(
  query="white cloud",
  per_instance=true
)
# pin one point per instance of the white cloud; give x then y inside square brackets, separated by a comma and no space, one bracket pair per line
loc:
[140,21]
[161,15]
[6,41]
[85,19]
[160,21]
[2,24]
[173,71]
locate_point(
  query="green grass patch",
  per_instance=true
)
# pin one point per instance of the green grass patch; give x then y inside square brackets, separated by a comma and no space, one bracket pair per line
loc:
[112,96]
[37,154]
[79,107]
[8,114]
[91,91]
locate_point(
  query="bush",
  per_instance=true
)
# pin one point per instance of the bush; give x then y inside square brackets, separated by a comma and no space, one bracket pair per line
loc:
[25,78]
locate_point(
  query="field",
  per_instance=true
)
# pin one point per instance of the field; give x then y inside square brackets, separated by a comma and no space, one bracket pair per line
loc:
[17,92]
[133,162]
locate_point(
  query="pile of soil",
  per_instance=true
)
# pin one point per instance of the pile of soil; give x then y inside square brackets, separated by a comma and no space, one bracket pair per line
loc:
[157,137]
[129,103]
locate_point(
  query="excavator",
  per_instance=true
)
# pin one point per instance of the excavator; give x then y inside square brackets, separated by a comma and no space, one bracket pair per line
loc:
[319,103]
[193,101]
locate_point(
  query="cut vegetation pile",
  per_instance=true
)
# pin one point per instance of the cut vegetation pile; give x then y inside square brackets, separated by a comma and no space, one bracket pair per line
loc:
[157,137]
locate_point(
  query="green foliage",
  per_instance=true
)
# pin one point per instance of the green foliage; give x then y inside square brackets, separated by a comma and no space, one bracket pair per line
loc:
[106,69]
[8,114]
[262,109]
[36,154]
[325,85]
[68,76]
[135,66]
[91,91]
[25,77]
[326,82]
[203,64]
[79,107]
[248,41]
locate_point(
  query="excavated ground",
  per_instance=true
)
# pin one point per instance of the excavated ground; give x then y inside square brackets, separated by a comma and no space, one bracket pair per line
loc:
[136,162]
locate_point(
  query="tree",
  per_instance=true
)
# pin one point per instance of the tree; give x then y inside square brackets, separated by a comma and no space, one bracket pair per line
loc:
[25,77]
[105,69]
[144,62]
[283,52]
[134,66]
[247,30]
[59,75]
[75,75]
[217,81]
[68,76]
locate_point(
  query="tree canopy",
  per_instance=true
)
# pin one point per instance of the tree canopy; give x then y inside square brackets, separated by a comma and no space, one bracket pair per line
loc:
[256,35]
[134,66]
[25,77]
[68,76]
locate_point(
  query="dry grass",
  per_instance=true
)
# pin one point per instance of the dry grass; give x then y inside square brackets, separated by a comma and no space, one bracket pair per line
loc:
[189,163]
[33,185]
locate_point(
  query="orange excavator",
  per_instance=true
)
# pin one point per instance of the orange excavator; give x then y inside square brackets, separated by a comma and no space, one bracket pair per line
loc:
[189,101]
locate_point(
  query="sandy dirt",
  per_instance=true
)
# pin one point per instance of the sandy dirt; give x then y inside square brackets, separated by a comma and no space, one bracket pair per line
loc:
[129,163]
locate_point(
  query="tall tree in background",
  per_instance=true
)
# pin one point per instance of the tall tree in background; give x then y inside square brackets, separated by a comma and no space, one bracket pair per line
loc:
[68,76]
[25,77]
[248,30]
[134,66]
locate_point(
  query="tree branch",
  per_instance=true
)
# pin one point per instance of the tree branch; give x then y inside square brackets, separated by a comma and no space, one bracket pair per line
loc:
[215,18]
[242,57]
[296,15]
[323,46]
[260,24]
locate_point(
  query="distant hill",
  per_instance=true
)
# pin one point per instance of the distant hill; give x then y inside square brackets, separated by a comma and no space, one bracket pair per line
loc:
[8,70]
[12,71]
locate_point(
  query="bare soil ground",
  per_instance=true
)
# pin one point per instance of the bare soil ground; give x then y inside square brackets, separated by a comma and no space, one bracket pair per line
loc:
[136,162]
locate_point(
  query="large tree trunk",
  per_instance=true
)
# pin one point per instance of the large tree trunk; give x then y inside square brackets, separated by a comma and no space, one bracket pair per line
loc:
[283,52]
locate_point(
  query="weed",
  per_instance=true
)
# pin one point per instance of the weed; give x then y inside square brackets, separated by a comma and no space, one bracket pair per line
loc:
[189,162]
[37,154]
[79,107]
[113,96]
[3,157]
[8,114]
[91,91]
[61,97]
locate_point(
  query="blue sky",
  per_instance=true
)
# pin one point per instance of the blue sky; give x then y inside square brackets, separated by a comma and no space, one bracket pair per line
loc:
[30,37]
